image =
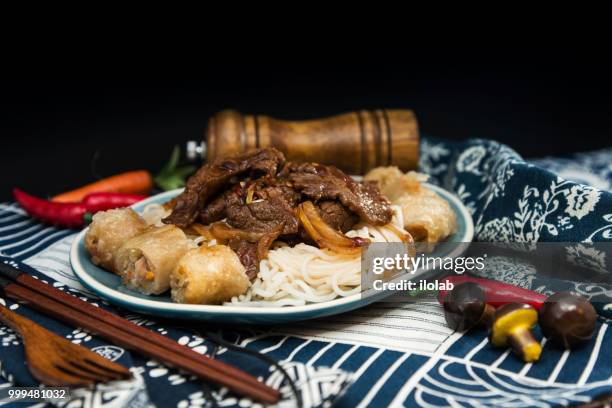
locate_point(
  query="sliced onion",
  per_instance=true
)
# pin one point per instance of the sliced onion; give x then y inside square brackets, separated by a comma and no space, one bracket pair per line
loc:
[223,232]
[324,235]
[169,206]
[405,237]
[250,193]
[202,230]
[267,240]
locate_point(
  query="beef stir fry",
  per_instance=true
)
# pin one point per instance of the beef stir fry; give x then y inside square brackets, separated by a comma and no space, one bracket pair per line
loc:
[251,200]
[212,178]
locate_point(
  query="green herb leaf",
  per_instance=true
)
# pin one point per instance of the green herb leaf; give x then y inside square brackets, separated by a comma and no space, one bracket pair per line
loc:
[170,177]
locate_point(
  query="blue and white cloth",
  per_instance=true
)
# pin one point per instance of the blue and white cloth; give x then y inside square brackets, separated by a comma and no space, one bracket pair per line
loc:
[389,354]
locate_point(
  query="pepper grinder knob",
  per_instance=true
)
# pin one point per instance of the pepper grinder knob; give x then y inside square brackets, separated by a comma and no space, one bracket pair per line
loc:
[196,150]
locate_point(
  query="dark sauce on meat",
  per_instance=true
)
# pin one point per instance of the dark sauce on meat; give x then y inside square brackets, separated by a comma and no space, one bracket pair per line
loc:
[259,192]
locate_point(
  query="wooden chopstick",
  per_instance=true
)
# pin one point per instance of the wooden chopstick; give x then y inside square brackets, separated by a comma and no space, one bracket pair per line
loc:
[125,325]
[129,335]
[225,375]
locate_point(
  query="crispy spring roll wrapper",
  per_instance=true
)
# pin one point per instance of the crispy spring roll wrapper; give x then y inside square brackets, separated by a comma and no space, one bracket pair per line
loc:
[146,261]
[108,231]
[427,216]
[208,275]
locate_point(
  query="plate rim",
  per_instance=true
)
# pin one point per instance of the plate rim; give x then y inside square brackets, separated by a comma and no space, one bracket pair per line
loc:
[115,296]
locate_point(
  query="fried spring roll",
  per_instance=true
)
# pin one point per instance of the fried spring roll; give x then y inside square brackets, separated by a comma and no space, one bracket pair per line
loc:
[146,261]
[208,275]
[108,231]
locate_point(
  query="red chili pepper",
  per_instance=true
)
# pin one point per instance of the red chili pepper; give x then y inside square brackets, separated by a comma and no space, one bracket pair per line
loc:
[497,293]
[105,201]
[72,215]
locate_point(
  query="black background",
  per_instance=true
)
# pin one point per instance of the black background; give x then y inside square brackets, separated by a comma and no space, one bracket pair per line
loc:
[540,102]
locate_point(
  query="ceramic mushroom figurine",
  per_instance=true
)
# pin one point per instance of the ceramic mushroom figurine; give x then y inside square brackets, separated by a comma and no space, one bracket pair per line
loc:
[465,307]
[567,319]
[512,326]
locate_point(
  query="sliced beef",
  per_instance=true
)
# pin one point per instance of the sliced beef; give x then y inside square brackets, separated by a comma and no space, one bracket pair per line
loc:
[247,253]
[215,210]
[211,178]
[262,216]
[251,253]
[277,189]
[271,203]
[336,215]
[321,182]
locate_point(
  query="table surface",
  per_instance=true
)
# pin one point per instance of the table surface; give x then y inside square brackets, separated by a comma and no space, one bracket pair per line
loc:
[390,353]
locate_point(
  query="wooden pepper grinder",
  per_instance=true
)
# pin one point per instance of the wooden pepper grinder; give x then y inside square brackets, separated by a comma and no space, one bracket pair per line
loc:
[355,142]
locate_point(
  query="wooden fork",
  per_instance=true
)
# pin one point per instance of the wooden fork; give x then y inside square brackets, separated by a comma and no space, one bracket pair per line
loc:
[55,361]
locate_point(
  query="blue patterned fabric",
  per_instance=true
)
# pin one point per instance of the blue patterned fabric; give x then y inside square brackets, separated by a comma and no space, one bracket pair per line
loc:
[510,200]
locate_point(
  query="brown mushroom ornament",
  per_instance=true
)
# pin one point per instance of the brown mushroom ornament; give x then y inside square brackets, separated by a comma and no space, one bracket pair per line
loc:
[466,307]
[512,326]
[567,319]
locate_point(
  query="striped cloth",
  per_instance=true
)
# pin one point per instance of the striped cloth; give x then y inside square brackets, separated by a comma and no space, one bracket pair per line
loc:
[388,354]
